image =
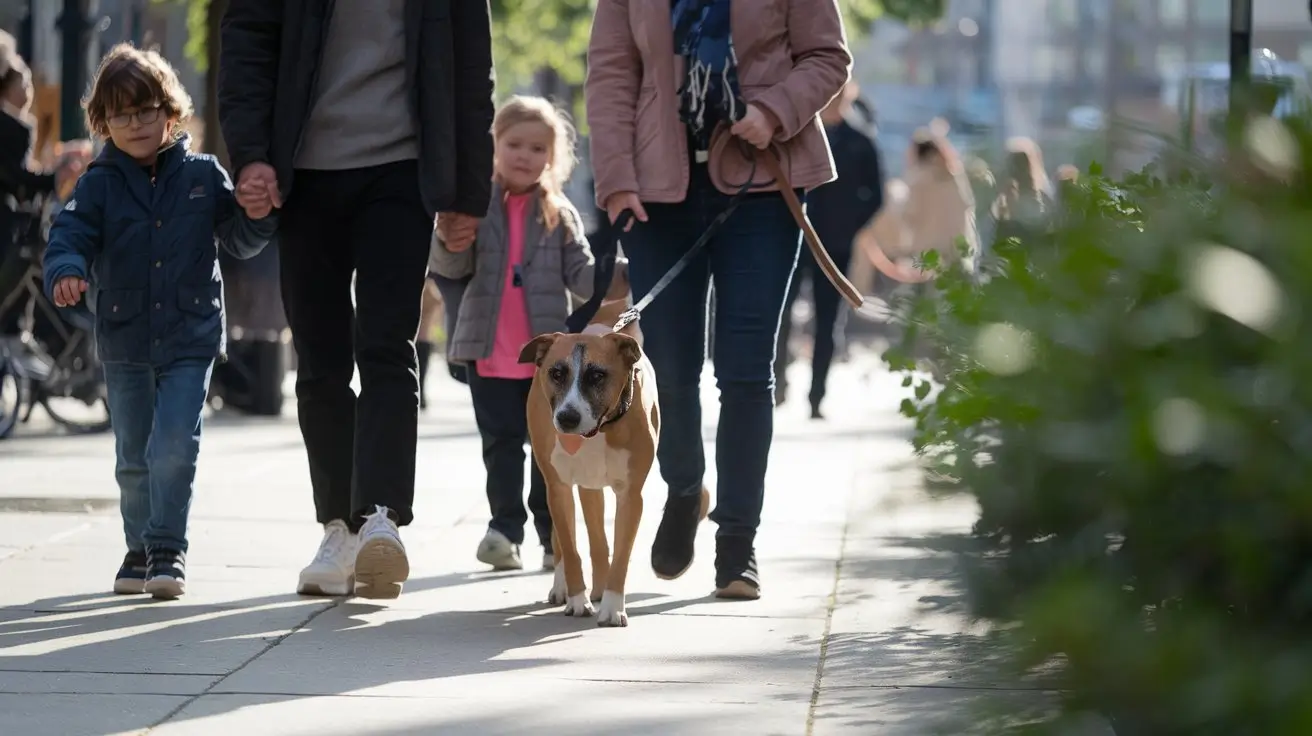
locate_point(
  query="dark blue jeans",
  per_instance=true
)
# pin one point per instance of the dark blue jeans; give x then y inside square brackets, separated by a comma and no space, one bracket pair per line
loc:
[156,413]
[750,260]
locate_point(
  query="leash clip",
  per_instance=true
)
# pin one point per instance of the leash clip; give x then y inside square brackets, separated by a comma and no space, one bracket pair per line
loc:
[627,317]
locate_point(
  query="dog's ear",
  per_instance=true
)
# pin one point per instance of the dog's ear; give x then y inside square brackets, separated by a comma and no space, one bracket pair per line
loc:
[628,348]
[536,349]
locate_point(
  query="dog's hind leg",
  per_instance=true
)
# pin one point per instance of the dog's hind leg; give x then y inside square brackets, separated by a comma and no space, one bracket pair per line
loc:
[593,502]
[560,497]
[628,513]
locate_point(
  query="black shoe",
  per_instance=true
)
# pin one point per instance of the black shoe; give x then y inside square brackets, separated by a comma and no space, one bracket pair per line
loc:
[131,577]
[166,576]
[671,553]
[815,410]
[736,576]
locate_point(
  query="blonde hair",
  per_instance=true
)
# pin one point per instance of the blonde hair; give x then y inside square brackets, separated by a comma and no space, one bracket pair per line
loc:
[522,109]
[130,77]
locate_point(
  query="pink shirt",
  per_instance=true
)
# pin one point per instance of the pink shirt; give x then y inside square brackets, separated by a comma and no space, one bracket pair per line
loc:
[513,328]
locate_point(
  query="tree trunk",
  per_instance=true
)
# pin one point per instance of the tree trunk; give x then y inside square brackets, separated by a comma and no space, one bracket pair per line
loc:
[213,135]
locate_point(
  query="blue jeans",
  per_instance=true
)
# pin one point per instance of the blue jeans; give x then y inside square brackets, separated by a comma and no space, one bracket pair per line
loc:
[750,260]
[156,413]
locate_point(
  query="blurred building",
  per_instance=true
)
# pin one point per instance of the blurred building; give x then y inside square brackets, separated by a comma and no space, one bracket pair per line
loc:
[146,23]
[1054,69]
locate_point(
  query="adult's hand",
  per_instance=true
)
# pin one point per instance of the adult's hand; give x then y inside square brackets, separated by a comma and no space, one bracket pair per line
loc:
[620,201]
[70,169]
[757,127]
[457,230]
[257,190]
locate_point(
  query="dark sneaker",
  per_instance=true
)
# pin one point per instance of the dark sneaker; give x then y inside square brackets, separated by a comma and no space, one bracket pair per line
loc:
[131,577]
[736,577]
[166,576]
[672,552]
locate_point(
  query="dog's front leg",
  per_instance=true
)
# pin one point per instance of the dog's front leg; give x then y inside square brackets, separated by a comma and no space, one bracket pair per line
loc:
[593,501]
[628,513]
[560,499]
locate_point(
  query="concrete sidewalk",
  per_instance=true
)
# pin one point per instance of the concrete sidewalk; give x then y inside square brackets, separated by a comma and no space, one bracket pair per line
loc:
[860,629]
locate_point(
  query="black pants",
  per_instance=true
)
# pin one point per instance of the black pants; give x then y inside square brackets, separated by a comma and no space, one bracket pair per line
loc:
[828,308]
[369,223]
[499,405]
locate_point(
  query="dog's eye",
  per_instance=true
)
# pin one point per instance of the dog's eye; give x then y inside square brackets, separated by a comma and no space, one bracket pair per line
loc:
[556,373]
[594,376]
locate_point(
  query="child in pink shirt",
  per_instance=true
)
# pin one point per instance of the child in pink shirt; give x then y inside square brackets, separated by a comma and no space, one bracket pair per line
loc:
[528,255]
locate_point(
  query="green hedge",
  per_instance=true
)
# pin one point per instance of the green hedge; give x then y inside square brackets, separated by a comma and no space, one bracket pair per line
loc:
[1128,396]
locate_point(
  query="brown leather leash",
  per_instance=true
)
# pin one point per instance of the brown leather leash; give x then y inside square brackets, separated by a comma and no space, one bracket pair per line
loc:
[606,249]
[826,262]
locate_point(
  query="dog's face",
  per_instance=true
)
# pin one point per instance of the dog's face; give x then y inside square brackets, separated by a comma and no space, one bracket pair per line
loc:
[584,376]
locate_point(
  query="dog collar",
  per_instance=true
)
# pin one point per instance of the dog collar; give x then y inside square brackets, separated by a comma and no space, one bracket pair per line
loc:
[621,407]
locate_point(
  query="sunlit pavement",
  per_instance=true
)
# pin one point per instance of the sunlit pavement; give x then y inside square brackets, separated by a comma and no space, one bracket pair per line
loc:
[860,629]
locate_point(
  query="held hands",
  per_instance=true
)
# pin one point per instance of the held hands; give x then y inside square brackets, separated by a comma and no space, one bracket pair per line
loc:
[456,230]
[620,201]
[69,290]
[757,126]
[257,190]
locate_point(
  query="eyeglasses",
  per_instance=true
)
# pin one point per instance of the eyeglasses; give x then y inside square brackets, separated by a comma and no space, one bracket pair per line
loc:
[145,116]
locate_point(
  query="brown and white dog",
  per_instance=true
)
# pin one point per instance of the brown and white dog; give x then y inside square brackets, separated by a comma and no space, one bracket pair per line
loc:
[593,423]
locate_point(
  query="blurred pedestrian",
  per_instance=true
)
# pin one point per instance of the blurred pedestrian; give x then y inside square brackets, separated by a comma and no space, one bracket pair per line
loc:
[1024,193]
[20,180]
[530,254]
[932,210]
[672,150]
[363,120]
[138,239]
[838,211]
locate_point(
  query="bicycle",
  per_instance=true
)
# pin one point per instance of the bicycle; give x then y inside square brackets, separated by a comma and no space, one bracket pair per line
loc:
[49,357]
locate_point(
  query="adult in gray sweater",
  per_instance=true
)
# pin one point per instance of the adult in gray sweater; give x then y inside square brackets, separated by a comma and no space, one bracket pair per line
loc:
[363,120]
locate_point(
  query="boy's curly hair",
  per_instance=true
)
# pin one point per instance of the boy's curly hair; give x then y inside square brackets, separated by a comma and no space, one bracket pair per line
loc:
[128,78]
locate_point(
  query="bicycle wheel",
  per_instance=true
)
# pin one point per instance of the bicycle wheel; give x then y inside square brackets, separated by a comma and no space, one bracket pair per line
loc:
[93,420]
[14,393]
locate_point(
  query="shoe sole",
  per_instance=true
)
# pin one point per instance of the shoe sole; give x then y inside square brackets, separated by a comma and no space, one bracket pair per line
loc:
[489,555]
[703,511]
[331,590]
[165,588]
[381,568]
[129,586]
[738,590]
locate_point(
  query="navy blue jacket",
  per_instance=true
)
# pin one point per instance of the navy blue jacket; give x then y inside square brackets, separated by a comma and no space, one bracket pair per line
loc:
[148,251]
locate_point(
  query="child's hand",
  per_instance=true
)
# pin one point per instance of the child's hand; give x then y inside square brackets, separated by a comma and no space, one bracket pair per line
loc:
[68,291]
[456,230]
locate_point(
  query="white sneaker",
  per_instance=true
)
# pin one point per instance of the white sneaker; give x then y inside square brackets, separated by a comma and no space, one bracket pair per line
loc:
[333,570]
[498,551]
[548,561]
[380,564]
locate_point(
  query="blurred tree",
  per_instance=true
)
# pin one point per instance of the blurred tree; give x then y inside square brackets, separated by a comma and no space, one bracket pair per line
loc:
[533,34]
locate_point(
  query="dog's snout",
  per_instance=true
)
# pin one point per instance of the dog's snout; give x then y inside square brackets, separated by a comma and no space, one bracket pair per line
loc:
[568,418]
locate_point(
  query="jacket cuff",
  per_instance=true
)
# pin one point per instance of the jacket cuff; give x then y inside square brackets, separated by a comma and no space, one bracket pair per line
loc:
[774,101]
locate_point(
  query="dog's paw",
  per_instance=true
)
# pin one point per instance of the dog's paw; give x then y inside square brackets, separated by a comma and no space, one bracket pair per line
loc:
[559,591]
[579,605]
[611,611]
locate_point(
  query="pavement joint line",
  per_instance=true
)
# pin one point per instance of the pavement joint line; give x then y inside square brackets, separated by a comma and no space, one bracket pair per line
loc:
[57,536]
[965,688]
[23,671]
[272,643]
[830,608]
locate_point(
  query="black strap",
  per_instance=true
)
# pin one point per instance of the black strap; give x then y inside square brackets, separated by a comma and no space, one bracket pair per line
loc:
[605,249]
